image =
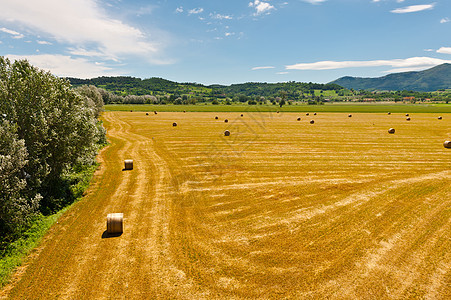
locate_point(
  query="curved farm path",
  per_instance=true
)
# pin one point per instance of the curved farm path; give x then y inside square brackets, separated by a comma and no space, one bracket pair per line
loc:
[77,261]
[281,209]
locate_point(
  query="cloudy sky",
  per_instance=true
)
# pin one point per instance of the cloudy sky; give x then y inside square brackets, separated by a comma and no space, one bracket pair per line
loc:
[233,41]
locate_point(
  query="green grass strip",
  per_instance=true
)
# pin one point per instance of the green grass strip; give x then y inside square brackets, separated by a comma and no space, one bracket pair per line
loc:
[337,108]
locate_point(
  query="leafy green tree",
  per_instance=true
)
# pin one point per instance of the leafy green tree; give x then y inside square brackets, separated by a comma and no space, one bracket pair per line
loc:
[57,125]
[15,209]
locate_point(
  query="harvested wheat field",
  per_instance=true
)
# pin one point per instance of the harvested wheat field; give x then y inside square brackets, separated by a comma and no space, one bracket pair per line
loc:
[279,209]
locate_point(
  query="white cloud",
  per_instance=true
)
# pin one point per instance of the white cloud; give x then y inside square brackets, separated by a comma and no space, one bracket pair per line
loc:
[221,17]
[66,66]
[179,9]
[282,73]
[44,43]
[80,23]
[444,50]
[195,11]
[261,7]
[15,34]
[262,68]
[444,20]
[411,64]
[229,33]
[413,8]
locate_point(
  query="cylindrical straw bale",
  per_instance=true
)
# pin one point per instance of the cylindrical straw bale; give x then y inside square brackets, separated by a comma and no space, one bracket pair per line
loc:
[115,223]
[307,114]
[439,118]
[226,133]
[216,118]
[349,115]
[147,114]
[299,119]
[391,130]
[408,118]
[314,114]
[226,121]
[174,124]
[447,144]
[389,113]
[155,112]
[128,164]
[407,115]
[312,121]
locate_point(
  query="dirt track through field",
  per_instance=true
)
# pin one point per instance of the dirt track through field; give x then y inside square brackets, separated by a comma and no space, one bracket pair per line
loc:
[280,209]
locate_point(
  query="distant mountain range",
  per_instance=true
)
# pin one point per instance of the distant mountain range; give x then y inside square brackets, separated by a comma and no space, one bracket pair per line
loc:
[429,80]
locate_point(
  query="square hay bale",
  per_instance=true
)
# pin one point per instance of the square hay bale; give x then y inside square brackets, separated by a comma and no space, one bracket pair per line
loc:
[128,164]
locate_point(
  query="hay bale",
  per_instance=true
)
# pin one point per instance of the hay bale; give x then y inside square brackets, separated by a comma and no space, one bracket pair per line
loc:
[155,112]
[131,111]
[349,116]
[242,115]
[447,144]
[128,164]
[312,121]
[216,118]
[407,115]
[226,121]
[389,113]
[227,133]
[184,111]
[147,114]
[174,124]
[408,118]
[314,114]
[439,118]
[115,223]
[307,114]
[391,130]
[277,111]
[299,119]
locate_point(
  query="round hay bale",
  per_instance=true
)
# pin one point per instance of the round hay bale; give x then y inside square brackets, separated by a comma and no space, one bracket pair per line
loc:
[439,118]
[147,114]
[314,114]
[216,118]
[242,115]
[408,118]
[447,144]
[349,116]
[184,111]
[174,124]
[131,111]
[299,119]
[391,130]
[389,113]
[128,164]
[226,121]
[407,115]
[155,112]
[277,111]
[307,114]
[115,223]
[312,121]
[227,133]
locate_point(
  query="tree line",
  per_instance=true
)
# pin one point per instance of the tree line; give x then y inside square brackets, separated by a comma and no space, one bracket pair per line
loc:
[131,90]
[48,132]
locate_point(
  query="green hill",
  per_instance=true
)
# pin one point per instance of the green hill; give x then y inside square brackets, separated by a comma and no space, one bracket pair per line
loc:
[433,79]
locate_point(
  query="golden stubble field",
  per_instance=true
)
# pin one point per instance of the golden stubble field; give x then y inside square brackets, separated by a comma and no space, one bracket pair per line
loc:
[281,208]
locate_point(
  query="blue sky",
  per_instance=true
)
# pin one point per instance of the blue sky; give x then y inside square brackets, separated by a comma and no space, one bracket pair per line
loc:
[234,41]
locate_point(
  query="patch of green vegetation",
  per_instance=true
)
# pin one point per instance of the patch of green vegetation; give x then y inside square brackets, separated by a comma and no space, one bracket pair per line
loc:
[14,253]
[338,108]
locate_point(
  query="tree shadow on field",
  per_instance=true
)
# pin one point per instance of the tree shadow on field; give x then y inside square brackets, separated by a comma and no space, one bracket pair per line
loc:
[106,235]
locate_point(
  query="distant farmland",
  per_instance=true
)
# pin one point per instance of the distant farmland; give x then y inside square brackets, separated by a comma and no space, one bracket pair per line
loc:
[281,208]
